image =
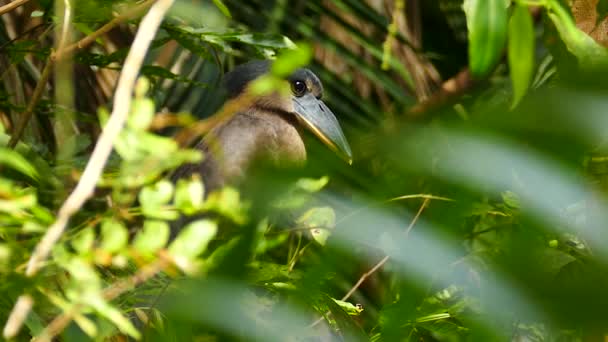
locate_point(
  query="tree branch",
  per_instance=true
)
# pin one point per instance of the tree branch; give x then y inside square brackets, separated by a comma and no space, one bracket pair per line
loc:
[450,89]
[12,5]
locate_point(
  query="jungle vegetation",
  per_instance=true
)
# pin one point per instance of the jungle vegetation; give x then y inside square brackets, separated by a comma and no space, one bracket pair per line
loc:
[475,207]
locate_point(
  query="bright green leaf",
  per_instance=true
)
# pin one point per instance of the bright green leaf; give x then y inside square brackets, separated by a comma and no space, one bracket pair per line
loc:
[83,241]
[193,239]
[588,52]
[521,51]
[320,221]
[113,314]
[152,237]
[114,235]
[311,184]
[156,194]
[487,24]
[142,113]
[15,161]
[289,60]
[222,7]
[353,310]
[189,195]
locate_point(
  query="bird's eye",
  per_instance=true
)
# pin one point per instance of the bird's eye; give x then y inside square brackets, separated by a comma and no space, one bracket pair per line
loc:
[298,88]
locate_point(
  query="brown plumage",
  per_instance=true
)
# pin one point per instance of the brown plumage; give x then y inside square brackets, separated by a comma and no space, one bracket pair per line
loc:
[270,129]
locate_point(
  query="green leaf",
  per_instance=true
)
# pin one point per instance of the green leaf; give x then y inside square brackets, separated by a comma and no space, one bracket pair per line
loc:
[114,235]
[347,327]
[154,200]
[487,24]
[220,5]
[349,308]
[142,113]
[588,52]
[83,241]
[521,51]
[312,184]
[17,162]
[227,202]
[189,195]
[289,60]
[320,221]
[156,194]
[152,237]
[193,239]
[113,315]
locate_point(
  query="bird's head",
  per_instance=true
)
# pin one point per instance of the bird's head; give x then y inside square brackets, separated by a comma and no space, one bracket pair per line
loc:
[302,101]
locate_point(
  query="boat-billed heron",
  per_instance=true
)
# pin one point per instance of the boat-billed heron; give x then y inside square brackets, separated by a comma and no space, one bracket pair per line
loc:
[270,128]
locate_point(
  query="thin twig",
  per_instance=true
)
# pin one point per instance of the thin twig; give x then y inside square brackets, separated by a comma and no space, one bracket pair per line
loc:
[59,323]
[367,274]
[24,118]
[380,263]
[89,39]
[450,89]
[12,5]
[17,317]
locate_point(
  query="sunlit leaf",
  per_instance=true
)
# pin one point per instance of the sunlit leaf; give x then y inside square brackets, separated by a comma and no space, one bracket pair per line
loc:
[14,160]
[152,237]
[220,5]
[589,53]
[114,235]
[487,24]
[189,195]
[193,239]
[320,221]
[521,51]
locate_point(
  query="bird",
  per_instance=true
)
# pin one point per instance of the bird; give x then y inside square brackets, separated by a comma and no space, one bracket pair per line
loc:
[270,128]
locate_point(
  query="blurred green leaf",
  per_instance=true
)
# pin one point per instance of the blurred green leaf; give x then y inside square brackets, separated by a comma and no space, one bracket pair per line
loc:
[589,53]
[189,195]
[83,241]
[487,24]
[113,315]
[142,113]
[521,51]
[220,5]
[320,221]
[114,235]
[290,60]
[152,237]
[15,160]
[349,308]
[227,202]
[193,239]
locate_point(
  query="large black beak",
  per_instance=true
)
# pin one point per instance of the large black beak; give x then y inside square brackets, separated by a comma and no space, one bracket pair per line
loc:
[315,115]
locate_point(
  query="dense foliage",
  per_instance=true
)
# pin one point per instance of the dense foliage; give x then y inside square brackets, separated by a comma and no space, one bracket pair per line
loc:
[475,208]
